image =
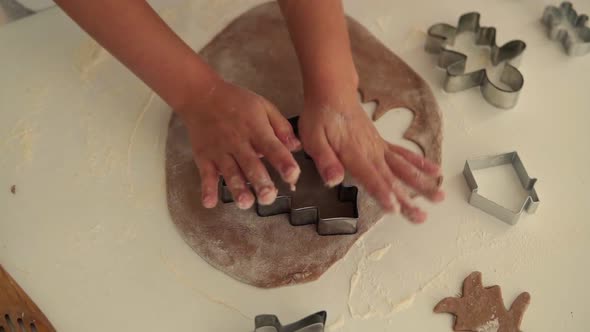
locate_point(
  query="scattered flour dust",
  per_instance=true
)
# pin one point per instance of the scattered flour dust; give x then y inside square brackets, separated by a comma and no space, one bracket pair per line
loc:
[378,254]
[336,325]
[367,297]
[146,105]
[90,54]
[188,283]
[22,135]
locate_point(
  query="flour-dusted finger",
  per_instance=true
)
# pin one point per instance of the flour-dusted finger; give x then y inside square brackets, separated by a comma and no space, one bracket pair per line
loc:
[209,182]
[383,170]
[424,184]
[235,181]
[369,177]
[325,159]
[417,160]
[412,212]
[257,174]
[282,129]
[279,157]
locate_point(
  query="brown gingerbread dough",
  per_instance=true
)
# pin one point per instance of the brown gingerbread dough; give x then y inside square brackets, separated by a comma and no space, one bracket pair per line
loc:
[482,309]
[254,51]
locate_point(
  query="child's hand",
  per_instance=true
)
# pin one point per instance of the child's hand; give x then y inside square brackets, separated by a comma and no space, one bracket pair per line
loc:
[230,128]
[338,135]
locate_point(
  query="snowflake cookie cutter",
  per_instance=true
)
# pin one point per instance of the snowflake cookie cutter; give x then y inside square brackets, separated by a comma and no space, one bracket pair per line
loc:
[270,323]
[507,215]
[554,18]
[306,214]
[442,35]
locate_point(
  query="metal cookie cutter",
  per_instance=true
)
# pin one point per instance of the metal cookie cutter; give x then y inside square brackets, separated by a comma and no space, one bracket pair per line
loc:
[441,35]
[565,25]
[270,323]
[530,204]
[300,215]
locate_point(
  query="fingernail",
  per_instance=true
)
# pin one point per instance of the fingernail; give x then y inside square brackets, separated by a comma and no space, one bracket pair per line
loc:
[438,196]
[245,201]
[266,195]
[291,173]
[208,201]
[418,217]
[333,177]
[293,143]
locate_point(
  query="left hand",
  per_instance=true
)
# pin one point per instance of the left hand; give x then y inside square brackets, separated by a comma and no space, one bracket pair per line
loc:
[337,133]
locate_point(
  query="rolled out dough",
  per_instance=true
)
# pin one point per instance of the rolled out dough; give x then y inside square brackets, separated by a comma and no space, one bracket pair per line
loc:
[254,51]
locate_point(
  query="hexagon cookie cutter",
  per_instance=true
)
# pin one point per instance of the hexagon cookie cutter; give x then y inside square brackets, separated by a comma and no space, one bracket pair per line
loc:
[505,214]
[554,18]
[442,35]
[271,323]
[306,215]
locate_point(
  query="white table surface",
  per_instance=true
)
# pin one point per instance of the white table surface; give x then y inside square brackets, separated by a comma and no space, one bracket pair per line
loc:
[89,237]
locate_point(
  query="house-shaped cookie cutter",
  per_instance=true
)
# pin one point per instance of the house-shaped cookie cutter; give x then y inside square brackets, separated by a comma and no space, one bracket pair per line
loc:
[306,215]
[509,216]
[270,323]
[442,35]
[555,18]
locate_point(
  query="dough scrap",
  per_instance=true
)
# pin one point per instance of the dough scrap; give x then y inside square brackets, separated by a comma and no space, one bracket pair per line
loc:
[255,52]
[482,309]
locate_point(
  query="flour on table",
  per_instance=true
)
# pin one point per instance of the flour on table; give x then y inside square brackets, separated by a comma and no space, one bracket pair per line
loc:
[336,325]
[90,55]
[378,254]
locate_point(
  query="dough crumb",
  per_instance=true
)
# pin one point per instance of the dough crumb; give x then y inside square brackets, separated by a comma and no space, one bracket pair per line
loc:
[13,189]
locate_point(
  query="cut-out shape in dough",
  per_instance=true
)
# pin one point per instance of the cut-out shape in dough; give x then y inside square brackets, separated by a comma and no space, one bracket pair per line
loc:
[255,52]
[482,309]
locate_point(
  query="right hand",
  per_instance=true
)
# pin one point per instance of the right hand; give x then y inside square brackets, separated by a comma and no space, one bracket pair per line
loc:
[230,128]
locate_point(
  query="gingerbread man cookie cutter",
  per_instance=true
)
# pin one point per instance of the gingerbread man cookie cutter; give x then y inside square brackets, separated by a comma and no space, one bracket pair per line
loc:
[576,39]
[507,215]
[442,35]
[270,323]
[300,215]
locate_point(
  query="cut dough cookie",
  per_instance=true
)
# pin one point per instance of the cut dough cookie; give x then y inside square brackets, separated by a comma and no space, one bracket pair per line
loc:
[254,51]
[482,309]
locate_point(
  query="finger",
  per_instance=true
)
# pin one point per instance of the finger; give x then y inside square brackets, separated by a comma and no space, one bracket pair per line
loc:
[384,170]
[279,157]
[326,161]
[412,212]
[373,182]
[417,160]
[257,175]
[235,181]
[282,129]
[209,182]
[424,184]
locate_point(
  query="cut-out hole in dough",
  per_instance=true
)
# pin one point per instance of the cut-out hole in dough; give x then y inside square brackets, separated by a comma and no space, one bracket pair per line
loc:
[393,124]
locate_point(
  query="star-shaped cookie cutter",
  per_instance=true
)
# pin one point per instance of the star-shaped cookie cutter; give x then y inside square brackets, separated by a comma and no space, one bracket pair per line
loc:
[307,214]
[555,18]
[270,323]
[442,35]
[507,215]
